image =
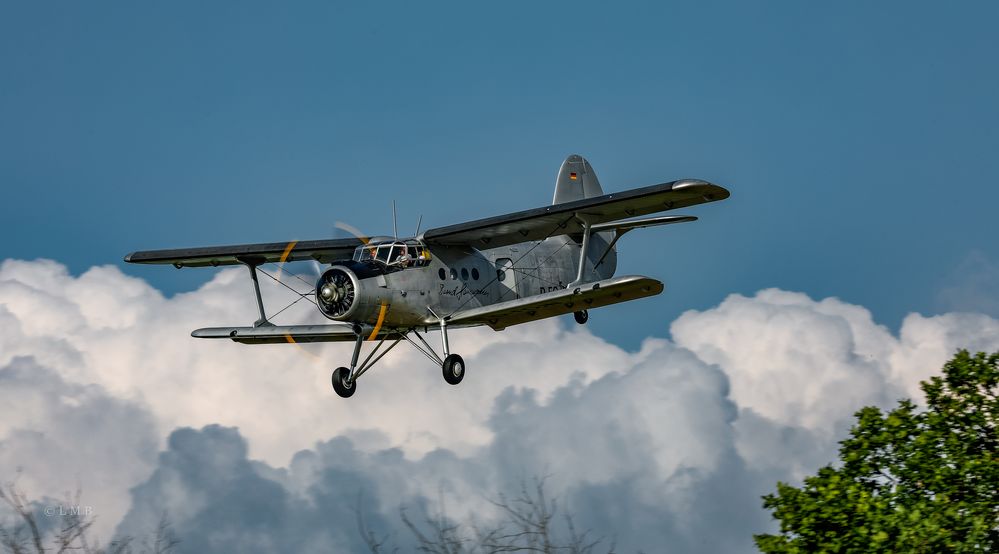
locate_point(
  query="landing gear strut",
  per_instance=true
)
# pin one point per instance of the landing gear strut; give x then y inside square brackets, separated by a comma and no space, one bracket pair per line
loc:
[582,316]
[452,366]
[344,379]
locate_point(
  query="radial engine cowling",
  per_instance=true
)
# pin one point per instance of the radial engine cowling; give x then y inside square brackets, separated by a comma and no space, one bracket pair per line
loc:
[336,293]
[353,291]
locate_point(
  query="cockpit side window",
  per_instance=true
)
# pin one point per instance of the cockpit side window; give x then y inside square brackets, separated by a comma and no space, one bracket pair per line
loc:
[399,254]
[364,253]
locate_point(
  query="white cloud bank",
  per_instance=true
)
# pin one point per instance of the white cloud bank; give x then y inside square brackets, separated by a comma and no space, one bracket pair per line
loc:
[655,447]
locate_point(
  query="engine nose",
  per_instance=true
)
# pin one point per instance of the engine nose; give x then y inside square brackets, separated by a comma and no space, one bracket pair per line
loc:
[336,292]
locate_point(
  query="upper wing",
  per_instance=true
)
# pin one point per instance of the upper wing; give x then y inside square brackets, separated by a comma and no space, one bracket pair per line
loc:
[560,219]
[323,251]
[564,301]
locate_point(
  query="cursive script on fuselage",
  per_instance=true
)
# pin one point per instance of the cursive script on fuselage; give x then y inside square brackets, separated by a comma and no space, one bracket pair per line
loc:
[463,290]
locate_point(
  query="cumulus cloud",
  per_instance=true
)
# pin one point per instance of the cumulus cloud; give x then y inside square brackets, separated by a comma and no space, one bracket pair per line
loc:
[140,347]
[58,437]
[806,366]
[644,456]
[653,447]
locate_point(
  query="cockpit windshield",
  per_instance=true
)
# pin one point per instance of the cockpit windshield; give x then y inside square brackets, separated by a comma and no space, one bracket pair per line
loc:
[397,253]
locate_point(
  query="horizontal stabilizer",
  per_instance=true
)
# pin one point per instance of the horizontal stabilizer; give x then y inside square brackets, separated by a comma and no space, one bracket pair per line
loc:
[629,224]
[559,302]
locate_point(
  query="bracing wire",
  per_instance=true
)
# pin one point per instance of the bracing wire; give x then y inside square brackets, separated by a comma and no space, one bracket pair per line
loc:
[495,278]
[301,295]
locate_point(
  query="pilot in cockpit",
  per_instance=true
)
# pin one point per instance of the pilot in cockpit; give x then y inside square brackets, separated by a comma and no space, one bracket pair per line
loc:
[402,257]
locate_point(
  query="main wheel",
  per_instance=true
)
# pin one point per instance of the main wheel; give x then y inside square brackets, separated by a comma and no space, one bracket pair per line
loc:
[342,383]
[581,316]
[454,369]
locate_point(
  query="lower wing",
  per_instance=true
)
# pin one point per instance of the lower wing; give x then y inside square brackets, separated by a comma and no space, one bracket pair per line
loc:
[559,302]
[277,334]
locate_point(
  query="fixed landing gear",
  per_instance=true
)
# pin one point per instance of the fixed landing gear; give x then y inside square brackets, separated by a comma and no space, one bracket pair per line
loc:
[453,368]
[342,383]
[345,379]
[582,316]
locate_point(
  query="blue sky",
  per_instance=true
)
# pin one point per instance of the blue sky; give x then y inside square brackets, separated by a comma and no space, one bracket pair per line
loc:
[859,141]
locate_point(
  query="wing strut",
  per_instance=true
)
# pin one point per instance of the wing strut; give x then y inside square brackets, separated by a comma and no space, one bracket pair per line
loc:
[582,252]
[251,264]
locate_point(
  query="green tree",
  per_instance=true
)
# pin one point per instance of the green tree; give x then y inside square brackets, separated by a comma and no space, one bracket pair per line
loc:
[908,480]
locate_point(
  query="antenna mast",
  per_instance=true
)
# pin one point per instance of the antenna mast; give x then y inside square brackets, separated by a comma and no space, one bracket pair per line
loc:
[395,226]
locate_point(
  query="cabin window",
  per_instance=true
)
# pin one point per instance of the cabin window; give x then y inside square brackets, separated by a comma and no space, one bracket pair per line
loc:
[442,273]
[464,274]
[454,273]
[475,274]
[505,274]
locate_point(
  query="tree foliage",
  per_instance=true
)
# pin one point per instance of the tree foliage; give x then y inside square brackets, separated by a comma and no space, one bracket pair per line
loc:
[909,480]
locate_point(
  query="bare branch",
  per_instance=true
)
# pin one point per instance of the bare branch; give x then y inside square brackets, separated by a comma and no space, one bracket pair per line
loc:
[14,498]
[372,541]
[164,540]
[75,524]
[527,524]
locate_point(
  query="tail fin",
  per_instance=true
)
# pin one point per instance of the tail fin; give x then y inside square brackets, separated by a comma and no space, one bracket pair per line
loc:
[576,181]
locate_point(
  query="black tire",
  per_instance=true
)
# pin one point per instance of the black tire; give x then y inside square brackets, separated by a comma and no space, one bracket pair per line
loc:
[581,316]
[454,369]
[341,385]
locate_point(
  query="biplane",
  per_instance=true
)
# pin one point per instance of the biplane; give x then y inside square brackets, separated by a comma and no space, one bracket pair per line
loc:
[499,271]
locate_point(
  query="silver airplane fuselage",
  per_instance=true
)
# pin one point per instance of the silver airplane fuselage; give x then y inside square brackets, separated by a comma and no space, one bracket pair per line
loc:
[391,294]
